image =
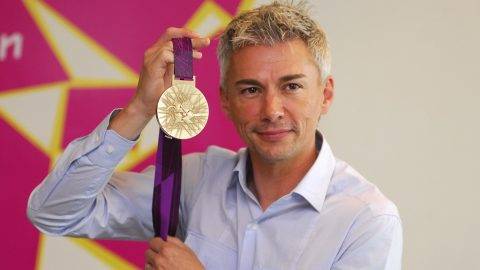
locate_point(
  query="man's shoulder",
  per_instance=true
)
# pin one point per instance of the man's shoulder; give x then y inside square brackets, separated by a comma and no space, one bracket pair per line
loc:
[217,154]
[214,156]
[206,173]
[214,161]
[352,190]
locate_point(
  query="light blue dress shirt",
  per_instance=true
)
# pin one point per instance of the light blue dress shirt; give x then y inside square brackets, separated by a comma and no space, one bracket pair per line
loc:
[333,219]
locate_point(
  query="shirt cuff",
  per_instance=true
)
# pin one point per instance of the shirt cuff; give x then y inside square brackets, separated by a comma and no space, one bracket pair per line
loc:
[111,149]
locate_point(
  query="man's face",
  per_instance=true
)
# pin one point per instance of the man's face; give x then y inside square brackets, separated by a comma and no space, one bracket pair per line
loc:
[275,97]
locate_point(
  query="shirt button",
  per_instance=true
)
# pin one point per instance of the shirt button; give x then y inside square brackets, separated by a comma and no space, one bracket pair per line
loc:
[252,226]
[97,137]
[110,149]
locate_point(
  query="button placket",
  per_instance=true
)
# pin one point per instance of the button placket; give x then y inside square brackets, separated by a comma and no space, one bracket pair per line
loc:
[248,246]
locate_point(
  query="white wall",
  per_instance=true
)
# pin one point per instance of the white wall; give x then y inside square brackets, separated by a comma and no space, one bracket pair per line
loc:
[406,115]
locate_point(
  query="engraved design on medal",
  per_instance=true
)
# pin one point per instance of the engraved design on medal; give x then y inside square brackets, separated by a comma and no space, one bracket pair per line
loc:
[182,111]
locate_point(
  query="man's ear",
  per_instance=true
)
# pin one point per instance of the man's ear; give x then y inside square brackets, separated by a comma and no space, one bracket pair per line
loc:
[224,102]
[328,94]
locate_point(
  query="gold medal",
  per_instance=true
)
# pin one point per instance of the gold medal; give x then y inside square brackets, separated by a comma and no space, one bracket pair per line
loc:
[182,110]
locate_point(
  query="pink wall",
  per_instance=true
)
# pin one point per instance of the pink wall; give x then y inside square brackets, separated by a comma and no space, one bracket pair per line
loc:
[124,29]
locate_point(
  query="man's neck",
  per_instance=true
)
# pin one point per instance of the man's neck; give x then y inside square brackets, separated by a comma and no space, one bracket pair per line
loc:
[269,181]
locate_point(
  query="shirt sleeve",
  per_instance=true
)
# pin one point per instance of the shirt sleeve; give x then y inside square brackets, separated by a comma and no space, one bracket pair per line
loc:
[374,245]
[84,196]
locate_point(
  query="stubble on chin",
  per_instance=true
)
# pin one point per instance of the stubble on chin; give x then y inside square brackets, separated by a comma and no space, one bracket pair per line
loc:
[272,152]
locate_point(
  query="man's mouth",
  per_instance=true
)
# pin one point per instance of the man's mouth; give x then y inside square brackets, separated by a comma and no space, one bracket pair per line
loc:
[273,134]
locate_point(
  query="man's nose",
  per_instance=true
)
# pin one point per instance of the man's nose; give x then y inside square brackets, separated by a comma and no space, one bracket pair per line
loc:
[273,107]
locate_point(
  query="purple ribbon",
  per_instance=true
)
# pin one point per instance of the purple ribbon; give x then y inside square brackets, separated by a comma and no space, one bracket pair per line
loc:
[166,190]
[168,163]
[183,66]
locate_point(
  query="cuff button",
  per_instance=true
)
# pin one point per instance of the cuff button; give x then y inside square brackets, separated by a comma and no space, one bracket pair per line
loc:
[110,149]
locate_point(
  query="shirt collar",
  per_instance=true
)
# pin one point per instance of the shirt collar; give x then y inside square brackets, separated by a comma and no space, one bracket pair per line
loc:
[313,187]
[241,169]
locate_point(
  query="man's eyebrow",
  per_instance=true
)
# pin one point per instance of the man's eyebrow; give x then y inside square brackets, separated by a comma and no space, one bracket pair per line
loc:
[287,78]
[248,81]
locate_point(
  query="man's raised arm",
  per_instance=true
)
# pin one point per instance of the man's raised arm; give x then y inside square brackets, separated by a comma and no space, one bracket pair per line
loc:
[82,195]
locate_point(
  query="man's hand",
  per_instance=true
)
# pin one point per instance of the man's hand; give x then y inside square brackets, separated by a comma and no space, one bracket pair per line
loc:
[170,254]
[155,78]
[157,71]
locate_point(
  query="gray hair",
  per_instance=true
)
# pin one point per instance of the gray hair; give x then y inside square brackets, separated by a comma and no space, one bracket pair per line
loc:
[271,24]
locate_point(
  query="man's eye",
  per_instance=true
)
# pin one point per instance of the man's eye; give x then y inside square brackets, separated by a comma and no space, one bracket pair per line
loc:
[293,86]
[250,90]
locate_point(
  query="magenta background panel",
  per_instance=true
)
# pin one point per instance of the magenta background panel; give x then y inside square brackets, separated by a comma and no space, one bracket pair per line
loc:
[125,29]
[37,63]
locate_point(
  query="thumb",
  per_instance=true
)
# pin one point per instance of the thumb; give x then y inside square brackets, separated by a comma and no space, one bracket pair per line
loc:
[167,77]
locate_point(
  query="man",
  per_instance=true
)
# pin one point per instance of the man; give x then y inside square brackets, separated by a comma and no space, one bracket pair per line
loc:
[284,202]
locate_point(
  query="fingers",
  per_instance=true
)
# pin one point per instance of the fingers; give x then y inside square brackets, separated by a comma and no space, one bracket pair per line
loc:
[173,32]
[166,53]
[197,55]
[174,240]
[170,254]
[168,76]
[198,42]
[162,51]
[159,242]
[160,252]
[157,69]
[156,244]
[150,257]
